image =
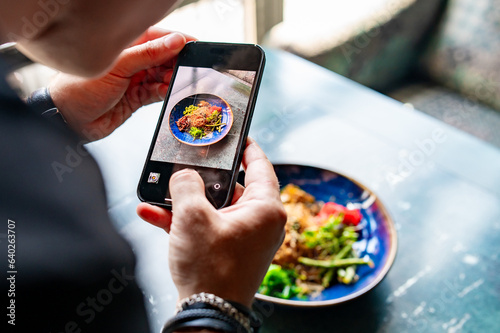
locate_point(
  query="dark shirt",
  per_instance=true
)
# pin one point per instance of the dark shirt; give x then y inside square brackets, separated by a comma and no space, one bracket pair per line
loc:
[73,272]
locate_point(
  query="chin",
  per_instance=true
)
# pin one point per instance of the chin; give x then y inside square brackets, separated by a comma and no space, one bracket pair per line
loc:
[71,60]
[85,67]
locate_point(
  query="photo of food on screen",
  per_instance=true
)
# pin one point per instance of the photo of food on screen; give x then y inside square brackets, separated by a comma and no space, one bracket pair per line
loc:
[204,117]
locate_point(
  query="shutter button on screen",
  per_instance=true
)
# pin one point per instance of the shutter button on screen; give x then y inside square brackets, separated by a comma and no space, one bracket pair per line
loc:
[217,186]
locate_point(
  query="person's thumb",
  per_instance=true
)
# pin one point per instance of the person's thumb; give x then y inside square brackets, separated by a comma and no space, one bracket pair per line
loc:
[187,191]
[150,54]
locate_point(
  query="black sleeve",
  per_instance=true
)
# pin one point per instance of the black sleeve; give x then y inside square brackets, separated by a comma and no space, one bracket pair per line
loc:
[72,271]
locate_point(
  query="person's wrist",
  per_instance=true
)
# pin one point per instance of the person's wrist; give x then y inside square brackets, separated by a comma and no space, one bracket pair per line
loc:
[59,102]
[229,286]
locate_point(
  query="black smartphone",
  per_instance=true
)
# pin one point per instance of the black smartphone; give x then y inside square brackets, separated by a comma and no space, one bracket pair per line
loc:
[205,120]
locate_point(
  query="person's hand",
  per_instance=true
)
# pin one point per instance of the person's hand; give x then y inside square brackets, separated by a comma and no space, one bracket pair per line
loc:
[96,107]
[225,252]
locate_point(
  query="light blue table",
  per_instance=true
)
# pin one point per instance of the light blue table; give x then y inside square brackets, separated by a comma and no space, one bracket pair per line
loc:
[441,186]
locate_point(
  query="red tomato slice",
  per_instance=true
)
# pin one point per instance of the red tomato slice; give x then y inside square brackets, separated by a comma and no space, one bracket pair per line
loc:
[351,216]
[331,208]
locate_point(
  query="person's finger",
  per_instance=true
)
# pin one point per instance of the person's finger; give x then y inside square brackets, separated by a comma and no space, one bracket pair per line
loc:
[167,76]
[155,32]
[159,74]
[238,192]
[187,191]
[151,33]
[149,89]
[157,216]
[259,171]
[161,91]
[150,54]
[150,93]
[141,95]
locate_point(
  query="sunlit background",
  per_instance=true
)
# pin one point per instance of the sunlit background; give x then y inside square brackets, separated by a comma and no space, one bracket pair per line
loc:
[432,55]
[236,20]
[246,21]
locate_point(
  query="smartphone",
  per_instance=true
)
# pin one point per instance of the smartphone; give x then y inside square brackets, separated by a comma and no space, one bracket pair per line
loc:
[205,120]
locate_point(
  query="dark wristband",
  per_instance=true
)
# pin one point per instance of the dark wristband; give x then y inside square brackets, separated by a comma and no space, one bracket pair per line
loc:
[255,321]
[41,102]
[202,319]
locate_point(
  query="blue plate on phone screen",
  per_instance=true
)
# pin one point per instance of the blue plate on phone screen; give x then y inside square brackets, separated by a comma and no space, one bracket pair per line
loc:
[378,237]
[210,138]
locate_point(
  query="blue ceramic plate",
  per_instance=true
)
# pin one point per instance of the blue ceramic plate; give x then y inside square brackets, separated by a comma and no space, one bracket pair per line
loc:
[186,138]
[378,237]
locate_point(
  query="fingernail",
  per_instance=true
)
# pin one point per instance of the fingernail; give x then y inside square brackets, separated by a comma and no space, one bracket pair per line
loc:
[174,41]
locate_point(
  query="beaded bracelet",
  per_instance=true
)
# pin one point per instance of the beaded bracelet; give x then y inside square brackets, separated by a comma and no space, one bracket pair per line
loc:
[219,303]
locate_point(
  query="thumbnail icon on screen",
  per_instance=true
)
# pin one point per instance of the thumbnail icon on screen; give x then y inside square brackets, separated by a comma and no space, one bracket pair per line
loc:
[154,178]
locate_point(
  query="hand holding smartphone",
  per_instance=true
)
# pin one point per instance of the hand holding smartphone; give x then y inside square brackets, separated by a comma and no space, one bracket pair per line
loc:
[205,120]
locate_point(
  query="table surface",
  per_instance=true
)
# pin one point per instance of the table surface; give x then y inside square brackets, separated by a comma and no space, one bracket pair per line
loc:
[441,186]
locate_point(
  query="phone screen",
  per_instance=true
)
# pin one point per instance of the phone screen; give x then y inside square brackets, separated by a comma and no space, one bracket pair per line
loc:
[204,121]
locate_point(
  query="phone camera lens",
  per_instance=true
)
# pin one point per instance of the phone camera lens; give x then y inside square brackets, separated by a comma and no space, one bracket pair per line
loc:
[217,186]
